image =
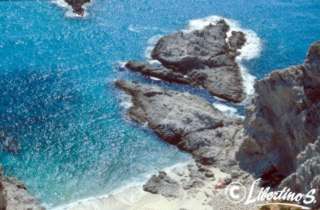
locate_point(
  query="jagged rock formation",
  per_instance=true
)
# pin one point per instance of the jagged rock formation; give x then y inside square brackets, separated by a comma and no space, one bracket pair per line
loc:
[14,195]
[203,58]
[187,121]
[307,175]
[77,6]
[283,120]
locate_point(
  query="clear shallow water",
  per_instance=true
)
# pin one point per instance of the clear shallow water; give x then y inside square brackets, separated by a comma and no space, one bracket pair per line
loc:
[57,96]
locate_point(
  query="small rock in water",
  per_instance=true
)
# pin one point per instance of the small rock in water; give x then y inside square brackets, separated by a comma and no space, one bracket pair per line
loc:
[9,143]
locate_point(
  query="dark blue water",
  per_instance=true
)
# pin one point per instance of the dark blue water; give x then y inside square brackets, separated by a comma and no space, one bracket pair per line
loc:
[57,97]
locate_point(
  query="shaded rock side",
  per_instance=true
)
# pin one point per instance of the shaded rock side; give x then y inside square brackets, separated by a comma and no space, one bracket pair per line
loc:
[77,6]
[203,58]
[283,119]
[187,121]
[14,195]
[307,175]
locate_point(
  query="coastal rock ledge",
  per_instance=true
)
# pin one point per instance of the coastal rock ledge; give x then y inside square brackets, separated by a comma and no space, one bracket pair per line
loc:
[203,58]
[187,121]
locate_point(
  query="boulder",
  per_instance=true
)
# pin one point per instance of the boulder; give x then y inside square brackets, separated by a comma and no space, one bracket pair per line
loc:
[163,185]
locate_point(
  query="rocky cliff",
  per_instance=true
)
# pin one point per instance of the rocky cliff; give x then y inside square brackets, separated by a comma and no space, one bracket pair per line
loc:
[283,124]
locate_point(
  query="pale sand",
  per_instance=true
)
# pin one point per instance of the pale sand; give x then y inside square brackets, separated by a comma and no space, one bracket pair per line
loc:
[134,198]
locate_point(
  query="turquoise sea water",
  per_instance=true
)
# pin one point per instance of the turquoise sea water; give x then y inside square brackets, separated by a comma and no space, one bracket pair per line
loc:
[58,100]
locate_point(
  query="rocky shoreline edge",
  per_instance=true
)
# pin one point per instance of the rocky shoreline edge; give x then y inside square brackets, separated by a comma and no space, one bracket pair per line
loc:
[277,140]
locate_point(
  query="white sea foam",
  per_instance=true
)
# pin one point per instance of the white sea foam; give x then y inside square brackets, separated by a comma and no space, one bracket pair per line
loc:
[155,78]
[150,45]
[122,64]
[251,49]
[138,29]
[225,108]
[69,13]
[126,101]
[228,110]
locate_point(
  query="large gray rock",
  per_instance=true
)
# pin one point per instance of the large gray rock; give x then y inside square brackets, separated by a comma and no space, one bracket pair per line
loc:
[283,119]
[163,185]
[14,195]
[187,121]
[203,58]
[77,6]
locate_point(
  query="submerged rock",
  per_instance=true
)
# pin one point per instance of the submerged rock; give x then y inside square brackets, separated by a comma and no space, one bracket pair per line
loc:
[283,119]
[77,6]
[14,195]
[8,143]
[203,58]
[187,121]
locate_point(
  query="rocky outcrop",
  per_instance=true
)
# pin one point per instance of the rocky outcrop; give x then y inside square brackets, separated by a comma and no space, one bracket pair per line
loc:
[307,174]
[14,195]
[283,120]
[163,185]
[203,58]
[187,121]
[77,6]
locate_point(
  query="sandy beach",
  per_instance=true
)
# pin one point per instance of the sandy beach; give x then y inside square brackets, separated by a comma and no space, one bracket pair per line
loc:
[209,196]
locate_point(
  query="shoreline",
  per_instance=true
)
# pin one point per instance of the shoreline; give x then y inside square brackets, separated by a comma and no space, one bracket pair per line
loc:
[133,197]
[122,189]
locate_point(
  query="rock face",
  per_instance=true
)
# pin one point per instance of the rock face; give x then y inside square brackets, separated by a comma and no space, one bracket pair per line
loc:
[187,121]
[203,58]
[283,120]
[307,175]
[14,195]
[77,6]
